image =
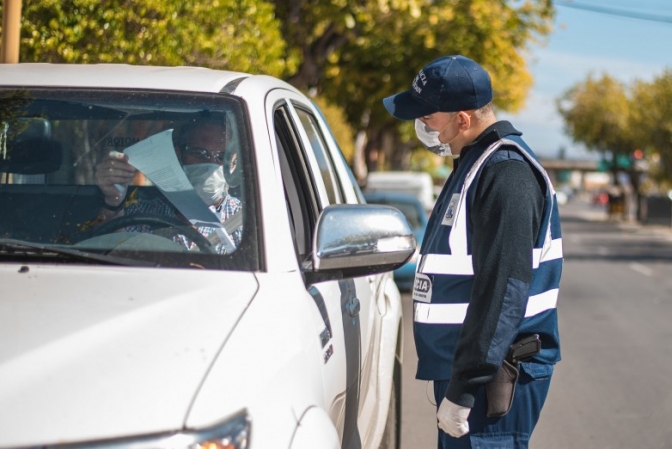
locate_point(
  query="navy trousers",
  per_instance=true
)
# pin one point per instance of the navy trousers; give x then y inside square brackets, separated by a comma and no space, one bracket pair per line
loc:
[512,431]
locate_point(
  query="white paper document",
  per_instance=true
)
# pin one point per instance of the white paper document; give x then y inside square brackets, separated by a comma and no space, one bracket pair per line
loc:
[155,157]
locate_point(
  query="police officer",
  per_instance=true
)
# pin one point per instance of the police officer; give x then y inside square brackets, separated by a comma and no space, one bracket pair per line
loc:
[490,262]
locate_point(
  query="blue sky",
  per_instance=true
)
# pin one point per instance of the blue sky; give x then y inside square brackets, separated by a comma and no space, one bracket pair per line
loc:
[585,42]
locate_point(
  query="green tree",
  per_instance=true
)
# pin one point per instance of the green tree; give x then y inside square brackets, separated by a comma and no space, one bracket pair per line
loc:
[652,122]
[351,52]
[339,127]
[598,113]
[239,35]
[356,52]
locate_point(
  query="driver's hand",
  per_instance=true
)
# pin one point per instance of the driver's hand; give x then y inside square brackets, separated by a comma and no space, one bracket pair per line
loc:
[113,175]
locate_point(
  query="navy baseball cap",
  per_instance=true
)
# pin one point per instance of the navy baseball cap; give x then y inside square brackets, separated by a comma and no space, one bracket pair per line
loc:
[447,84]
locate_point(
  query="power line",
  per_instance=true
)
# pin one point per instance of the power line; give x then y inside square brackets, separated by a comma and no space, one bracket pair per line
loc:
[615,12]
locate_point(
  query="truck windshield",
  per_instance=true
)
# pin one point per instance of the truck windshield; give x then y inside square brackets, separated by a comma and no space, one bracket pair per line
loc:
[161,178]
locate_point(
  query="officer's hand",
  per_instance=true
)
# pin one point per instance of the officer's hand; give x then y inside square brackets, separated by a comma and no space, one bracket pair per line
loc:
[453,418]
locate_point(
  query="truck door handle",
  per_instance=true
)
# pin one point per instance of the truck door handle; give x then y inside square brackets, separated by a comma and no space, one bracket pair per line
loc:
[352,306]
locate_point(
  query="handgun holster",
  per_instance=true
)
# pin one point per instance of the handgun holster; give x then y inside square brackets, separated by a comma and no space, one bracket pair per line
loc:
[500,391]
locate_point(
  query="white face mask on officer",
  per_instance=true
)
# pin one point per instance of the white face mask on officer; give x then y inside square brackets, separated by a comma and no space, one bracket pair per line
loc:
[430,138]
[208,181]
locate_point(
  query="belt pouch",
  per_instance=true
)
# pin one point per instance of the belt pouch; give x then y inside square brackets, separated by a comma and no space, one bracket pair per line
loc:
[500,390]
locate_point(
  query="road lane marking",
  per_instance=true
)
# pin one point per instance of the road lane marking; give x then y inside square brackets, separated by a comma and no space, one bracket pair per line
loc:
[642,269]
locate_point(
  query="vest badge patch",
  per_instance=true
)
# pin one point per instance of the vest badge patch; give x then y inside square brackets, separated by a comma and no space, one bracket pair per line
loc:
[422,288]
[451,211]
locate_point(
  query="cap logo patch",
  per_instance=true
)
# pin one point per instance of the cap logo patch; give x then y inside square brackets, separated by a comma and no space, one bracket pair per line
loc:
[421,78]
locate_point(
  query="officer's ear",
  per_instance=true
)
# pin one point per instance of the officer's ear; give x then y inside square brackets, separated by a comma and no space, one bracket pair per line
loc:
[463,120]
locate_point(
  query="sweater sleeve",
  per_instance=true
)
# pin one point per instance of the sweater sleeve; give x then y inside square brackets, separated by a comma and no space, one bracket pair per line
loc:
[505,216]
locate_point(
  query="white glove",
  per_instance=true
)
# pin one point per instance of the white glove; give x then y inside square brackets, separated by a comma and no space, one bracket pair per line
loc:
[453,418]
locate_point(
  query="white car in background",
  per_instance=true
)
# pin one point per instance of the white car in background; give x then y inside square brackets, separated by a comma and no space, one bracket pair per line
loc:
[417,184]
[115,335]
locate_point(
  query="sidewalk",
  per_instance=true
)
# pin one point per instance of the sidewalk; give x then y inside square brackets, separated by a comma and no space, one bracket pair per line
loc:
[583,210]
[578,208]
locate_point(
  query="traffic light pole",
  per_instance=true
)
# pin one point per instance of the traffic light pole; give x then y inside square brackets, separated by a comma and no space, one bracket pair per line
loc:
[11,31]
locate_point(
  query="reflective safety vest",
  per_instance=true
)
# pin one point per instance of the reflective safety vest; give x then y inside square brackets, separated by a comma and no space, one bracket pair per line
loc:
[445,272]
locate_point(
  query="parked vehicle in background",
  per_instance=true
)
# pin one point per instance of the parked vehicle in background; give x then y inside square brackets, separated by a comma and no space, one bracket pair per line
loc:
[561,197]
[133,330]
[416,215]
[417,184]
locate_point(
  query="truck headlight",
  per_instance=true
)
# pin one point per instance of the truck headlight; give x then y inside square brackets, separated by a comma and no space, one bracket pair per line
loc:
[234,433]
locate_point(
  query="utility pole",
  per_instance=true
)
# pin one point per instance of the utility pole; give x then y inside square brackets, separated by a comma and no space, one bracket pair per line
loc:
[11,31]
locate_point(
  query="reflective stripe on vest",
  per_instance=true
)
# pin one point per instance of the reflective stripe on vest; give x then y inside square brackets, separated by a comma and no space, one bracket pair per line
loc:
[457,239]
[461,264]
[454,313]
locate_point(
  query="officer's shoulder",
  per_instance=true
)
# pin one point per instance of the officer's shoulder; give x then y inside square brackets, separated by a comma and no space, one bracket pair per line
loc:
[505,153]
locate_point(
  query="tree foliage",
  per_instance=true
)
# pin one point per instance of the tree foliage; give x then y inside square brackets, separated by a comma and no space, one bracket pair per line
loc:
[395,44]
[356,52]
[343,133]
[615,119]
[368,49]
[352,53]
[597,113]
[239,35]
[652,121]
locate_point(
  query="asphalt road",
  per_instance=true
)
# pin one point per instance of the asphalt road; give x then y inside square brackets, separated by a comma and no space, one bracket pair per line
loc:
[613,388]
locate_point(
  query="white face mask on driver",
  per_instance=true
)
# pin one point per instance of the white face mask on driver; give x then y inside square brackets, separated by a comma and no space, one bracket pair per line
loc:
[430,138]
[208,181]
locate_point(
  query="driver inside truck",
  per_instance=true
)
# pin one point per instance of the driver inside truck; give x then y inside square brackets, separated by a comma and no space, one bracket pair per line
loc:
[200,147]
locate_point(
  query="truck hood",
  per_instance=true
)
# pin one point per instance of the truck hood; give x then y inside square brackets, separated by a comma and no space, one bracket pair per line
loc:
[97,352]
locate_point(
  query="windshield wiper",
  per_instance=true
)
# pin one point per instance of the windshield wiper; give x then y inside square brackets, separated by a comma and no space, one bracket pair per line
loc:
[14,248]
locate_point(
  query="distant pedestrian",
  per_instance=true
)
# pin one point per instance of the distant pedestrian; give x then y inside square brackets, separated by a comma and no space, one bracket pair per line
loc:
[490,264]
[616,202]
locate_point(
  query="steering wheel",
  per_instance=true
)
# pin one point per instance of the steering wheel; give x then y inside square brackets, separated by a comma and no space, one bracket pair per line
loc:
[156,222]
